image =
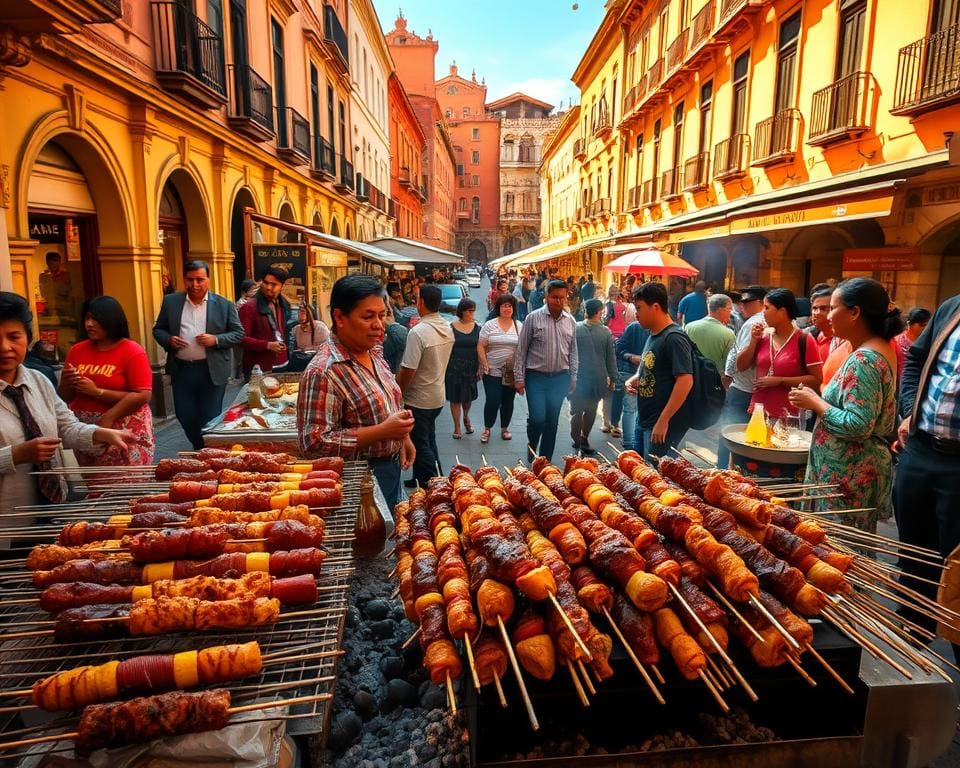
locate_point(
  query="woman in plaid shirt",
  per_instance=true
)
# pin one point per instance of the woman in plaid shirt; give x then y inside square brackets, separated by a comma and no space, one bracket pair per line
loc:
[349,403]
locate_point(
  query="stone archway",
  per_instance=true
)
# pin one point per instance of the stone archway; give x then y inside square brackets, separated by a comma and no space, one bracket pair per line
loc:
[182,217]
[243,199]
[334,227]
[944,241]
[286,214]
[477,252]
[317,222]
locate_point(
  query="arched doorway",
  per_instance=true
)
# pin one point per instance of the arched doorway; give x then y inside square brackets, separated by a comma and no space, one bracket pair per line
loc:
[286,214]
[513,244]
[477,252]
[944,241]
[317,223]
[334,228]
[244,199]
[173,238]
[348,236]
[820,249]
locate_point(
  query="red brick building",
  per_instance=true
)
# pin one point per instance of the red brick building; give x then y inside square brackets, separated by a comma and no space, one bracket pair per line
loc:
[407,144]
[476,143]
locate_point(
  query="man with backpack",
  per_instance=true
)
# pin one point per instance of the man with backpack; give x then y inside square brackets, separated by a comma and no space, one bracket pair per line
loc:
[665,376]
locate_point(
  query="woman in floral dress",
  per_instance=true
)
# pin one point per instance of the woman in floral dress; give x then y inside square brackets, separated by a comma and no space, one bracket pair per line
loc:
[857,411]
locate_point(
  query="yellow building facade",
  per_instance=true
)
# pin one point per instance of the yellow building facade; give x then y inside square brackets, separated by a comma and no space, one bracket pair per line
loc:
[779,142]
[133,135]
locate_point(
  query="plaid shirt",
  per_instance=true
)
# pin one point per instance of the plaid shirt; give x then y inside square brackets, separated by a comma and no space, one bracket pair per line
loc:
[940,409]
[338,395]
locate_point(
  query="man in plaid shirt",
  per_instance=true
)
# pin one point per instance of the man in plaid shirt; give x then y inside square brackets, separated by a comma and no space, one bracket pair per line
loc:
[350,404]
[928,475]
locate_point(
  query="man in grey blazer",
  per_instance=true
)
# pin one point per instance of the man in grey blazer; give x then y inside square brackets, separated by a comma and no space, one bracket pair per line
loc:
[198,329]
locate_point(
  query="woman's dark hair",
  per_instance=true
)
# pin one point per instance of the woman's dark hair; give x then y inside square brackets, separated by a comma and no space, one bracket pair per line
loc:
[309,310]
[465,305]
[505,298]
[782,298]
[14,307]
[652,293]
[350,290]
[873,301]
[107,311]
[918,315]
[245,286]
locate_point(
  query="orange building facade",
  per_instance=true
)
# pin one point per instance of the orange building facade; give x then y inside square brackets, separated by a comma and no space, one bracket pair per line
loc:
[476,142]
[414,60]
[406,162]
[775,141]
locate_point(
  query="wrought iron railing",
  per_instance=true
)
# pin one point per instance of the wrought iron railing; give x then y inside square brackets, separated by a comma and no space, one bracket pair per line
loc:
[324,158]
[186,44]
[655,74]
[678,50]
[776,137]
[346,173]
[670,183]
[333,32]
[579,148]
[252,96]
[928,71]
[296,132]
[842,108]
[650,191]
[633,198]
[696,172]
[731,156]
[703,25]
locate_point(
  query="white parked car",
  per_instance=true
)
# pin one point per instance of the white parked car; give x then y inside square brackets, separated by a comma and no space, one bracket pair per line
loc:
[473,278]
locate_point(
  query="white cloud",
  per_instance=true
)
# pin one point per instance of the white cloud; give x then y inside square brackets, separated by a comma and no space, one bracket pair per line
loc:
[550,90]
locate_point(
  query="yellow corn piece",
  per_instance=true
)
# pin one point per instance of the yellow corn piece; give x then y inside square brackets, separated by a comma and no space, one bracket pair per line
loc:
[142,592]
[185,672]
[280,501]
[258,561]
[155,571]
[119,520]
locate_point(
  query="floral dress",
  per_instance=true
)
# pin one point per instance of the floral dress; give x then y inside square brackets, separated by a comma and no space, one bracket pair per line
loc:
[849,441]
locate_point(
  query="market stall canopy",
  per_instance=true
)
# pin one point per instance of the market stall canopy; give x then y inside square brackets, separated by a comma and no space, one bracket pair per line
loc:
[651,261]
[534,254]
[411,250]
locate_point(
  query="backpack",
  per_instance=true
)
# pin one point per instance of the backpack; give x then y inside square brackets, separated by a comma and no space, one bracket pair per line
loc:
[705,402]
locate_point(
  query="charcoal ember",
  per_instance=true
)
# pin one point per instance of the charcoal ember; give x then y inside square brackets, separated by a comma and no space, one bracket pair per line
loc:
[382,629]
[377,610]
[344,730]
[391,667]
[365,703]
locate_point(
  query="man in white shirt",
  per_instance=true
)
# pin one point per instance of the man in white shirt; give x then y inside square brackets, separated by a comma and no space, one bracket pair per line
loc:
[198,329]
[421,379]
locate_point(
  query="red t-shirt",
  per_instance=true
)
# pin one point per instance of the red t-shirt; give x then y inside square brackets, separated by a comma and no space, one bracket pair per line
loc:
[786,362]
[125,367]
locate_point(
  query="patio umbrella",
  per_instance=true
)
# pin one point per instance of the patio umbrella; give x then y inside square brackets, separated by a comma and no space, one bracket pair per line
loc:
[651,261]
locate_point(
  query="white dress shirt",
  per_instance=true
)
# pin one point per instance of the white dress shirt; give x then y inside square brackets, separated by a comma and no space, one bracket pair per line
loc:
[193,322]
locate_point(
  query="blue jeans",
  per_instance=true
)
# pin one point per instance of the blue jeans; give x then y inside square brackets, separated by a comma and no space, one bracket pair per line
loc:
[629,419]
[734,412]
[499,399]
[647,448]
[387,472]
[424,437]
[196,399]
[545,396]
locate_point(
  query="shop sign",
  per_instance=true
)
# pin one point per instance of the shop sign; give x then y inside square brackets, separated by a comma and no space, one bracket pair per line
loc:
[327,257]
[844,210]
[881,259]
[945,193]
[704,233]
[290,256]
[47,229]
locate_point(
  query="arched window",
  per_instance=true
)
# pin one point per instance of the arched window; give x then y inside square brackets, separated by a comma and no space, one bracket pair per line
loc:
[527,150]
[508,202]
[475,210]
[462,204]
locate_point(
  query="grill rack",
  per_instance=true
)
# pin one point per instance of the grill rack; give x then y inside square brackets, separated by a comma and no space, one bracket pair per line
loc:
[33,658]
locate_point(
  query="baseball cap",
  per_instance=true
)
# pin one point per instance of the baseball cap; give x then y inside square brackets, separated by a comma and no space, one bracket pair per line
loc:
[752,293]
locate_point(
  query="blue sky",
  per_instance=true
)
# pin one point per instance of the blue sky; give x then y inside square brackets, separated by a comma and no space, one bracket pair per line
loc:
[518,45]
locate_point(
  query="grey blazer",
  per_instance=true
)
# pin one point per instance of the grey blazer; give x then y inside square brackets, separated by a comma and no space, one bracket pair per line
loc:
[222,321]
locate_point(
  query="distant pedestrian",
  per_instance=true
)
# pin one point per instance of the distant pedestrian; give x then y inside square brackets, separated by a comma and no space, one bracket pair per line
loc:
[821,329]
[248,289]
[499,288]
[198,329]
[917,319]
[545,368]
[264,321]
[308,334]
[597,375]
[589,289]
[535,301]
[711,334]
[628,349]
[496,351]
[463,370]
[422,378]
[394,339]
[665,377]
[693,306]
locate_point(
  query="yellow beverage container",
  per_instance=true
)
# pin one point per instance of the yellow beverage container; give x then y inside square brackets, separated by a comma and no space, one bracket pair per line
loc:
[756,433]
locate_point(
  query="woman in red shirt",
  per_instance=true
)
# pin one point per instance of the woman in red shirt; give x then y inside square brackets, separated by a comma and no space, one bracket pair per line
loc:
[107,381]
[777,353]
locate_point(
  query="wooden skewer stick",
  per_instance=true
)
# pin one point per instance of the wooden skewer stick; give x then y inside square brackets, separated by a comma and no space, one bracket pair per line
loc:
[566,620]
[393,572]
[736,614]
[586,677]
[409,640]
[700,456]
[800,670]
[714,642]
[471,663]
[499,687]
[832,672]
[393,595]
[920,606]
[575,678]
[718,673]
[451,699]
[870,626]
[614,448]
[815,497]
[534,723]
[713,691]
[791,640]
[633,657]
[658,674]
[846,627]
[860,569]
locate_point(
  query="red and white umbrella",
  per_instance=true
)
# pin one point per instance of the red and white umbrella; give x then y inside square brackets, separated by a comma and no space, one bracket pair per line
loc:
[651,261]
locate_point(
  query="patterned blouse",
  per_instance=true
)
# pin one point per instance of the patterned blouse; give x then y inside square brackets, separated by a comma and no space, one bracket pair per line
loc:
[338,395]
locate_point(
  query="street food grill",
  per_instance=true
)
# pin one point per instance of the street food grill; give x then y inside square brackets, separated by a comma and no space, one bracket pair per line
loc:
[211,597]
[700,578]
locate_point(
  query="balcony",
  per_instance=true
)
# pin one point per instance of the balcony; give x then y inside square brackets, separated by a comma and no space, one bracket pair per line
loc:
[600,207]
[520,216]
[702,26]
[677,51]
[731,157]
[650,195]
[519,156]
[735,16]
[464,214]
[324,159]
[670,188]
[579,149]
[251,104]
[775,139]
[346,180]
[335,39]
[928,73]
[601,126]
[404,176]
[362,188]
[696,172]
[293,139]
[633,198]
[655,75]
[582,214]
[391,208]
[189,56]
[842,110]
[42,16]
[630,100]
